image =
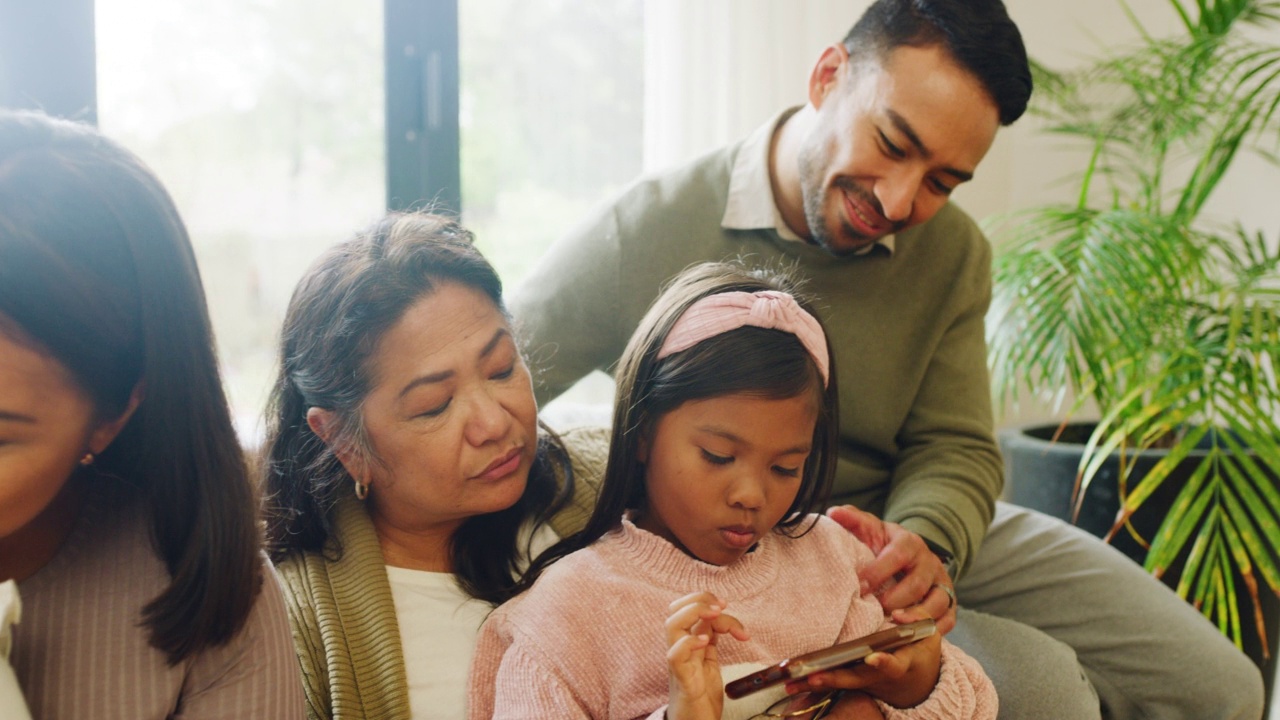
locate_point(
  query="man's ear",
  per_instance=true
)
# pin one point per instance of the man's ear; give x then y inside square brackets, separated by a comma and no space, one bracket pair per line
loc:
[324,423]
[105,434]
[826,74]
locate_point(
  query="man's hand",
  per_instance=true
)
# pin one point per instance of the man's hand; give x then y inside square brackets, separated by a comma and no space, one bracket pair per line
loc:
[696,688]
[905,573]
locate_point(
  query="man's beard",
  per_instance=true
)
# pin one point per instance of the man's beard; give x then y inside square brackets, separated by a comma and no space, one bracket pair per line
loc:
[813,195]
[814,215]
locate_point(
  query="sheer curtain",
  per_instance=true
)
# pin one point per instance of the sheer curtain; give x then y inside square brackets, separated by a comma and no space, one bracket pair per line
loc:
[716,69]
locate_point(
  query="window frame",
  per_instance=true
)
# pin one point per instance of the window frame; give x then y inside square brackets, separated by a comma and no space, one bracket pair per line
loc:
[47,57]
[422,90]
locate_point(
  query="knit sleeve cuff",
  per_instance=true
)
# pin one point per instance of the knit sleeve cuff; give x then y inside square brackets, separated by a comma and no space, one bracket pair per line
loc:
[963,691]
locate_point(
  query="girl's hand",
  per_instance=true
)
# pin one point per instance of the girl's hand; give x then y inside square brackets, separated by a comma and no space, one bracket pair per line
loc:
[696,687]
[902,678]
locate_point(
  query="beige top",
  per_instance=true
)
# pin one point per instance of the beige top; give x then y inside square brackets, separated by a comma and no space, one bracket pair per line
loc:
[81,651]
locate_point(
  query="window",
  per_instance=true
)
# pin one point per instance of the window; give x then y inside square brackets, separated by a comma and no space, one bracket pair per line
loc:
[551,116]
[281,126]
[551,125]
[265,122]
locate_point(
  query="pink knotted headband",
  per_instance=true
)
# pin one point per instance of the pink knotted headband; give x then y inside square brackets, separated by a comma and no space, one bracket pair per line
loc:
[770,309]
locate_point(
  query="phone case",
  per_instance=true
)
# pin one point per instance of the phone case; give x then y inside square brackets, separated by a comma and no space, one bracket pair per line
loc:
[843,653]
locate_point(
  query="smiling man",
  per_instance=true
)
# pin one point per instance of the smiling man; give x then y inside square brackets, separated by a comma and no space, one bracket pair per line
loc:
[852,188]
[881,145]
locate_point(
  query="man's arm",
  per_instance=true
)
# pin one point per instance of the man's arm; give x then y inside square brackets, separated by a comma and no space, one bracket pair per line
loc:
[949,473]
[946,472]
[567,310]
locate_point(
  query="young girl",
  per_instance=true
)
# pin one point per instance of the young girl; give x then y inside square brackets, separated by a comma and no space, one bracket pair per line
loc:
[724,436]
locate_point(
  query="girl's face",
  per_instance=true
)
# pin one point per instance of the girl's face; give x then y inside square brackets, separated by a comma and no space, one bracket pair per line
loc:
[721,472]
[46,425]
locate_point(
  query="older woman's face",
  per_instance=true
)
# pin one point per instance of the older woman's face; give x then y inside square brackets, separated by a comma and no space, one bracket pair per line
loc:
[450,416]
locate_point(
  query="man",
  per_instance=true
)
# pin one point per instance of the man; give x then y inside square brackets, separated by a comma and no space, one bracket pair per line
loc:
[852,188]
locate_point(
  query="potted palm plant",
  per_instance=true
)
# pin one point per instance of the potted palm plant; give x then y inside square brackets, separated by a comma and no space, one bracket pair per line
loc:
[1136,301]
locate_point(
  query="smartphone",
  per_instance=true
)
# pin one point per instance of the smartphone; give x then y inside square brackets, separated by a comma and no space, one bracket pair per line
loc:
[844,653]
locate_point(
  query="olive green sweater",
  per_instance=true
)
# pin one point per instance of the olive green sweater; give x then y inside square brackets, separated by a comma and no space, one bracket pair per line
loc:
[343,616]
[917,444]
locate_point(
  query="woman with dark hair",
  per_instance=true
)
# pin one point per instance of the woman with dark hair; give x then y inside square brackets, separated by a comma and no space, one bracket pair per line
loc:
[724,443]
[127,516]
[408,479]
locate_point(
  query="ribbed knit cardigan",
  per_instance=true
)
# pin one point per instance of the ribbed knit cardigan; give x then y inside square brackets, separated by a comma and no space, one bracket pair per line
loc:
[343,616]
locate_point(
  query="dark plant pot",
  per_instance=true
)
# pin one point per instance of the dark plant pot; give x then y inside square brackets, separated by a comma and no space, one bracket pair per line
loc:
[1040,474]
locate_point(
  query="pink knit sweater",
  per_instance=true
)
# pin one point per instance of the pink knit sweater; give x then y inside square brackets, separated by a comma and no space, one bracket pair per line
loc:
[587,640]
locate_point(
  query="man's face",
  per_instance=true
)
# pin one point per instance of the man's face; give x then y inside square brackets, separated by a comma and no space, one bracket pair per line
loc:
[893,138]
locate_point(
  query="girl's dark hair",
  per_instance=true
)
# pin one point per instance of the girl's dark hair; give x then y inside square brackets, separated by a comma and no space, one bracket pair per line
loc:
[97,270]
[339,311]
[748,360]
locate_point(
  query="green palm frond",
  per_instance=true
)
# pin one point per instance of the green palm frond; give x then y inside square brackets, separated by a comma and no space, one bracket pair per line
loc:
[1218,17]
[1171,324]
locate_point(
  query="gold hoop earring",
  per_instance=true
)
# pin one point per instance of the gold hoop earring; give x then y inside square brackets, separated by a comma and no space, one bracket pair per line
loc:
[88,459]
[362,490]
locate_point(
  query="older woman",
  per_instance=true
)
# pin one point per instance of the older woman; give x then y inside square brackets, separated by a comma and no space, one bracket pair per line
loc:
[409,480]
[127,516]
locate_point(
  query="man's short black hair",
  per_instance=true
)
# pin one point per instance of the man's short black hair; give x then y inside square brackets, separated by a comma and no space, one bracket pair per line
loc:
[978,33]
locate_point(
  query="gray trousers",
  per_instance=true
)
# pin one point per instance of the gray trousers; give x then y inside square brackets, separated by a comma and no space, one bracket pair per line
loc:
[1068,627]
